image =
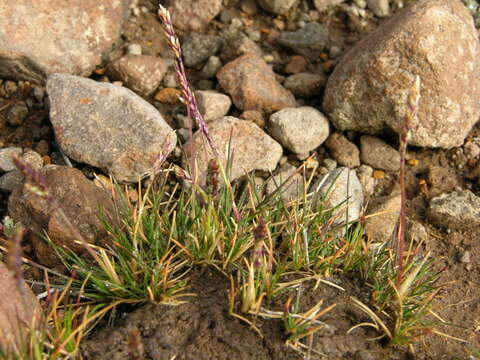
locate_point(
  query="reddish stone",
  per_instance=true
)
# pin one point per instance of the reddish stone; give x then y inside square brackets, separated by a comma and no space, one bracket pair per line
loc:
[295,65]
[252,85]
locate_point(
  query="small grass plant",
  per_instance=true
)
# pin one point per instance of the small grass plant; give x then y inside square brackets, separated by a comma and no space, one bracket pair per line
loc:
[265,246]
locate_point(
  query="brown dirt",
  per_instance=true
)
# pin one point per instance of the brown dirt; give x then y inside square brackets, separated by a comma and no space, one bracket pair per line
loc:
[202,328]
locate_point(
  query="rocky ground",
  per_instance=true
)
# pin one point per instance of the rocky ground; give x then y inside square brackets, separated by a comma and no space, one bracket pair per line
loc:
[90,91]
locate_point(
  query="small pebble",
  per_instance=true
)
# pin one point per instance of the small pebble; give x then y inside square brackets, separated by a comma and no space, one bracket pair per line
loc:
[134,49]
[46,160]
[42,147]
[170,80]
[236,23]
[17,114]
[465,258]
[136,11]
[471,150]
[211,67]
[255,35]
[295,65]
[330,164]
[249,7]
[177,152]
[10,87]
[6,163]
[335,51]
[168,96]
[184,134]
[39,93]
[379,174]
[268,58]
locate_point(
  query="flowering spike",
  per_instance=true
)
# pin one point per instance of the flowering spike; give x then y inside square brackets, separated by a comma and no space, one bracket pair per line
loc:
[187,94]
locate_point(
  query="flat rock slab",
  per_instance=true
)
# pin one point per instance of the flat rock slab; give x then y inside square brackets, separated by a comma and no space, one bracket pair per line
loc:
[251,148]
[253,86]
[41,37]
[79,200]
[107,126]
[435,39]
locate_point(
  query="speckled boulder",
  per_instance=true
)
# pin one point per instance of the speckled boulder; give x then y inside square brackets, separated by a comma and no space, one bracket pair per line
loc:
[251,147]
[41,37]
[435,39]
[107,126]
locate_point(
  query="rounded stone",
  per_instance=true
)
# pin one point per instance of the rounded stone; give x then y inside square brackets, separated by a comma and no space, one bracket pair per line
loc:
[300,130]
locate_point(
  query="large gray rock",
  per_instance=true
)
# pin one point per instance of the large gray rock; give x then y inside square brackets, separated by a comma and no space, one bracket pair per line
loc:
[300,130]
[251,147]
[41,37]
[107,126]
[455,210]
[435,39]
[78,202]
[342,190]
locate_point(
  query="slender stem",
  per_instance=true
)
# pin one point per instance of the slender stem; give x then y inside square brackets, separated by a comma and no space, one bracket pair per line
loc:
[411,114]
[188,97]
